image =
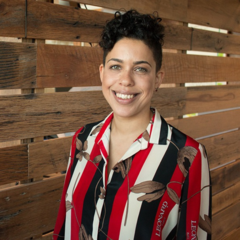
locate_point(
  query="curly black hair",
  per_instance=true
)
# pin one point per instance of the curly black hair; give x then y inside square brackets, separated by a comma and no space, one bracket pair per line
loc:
[134,25]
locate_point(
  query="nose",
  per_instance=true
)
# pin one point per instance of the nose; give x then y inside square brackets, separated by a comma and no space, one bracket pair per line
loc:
[126,78]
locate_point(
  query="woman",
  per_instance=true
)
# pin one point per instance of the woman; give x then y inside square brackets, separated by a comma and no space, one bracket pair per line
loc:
[133,176]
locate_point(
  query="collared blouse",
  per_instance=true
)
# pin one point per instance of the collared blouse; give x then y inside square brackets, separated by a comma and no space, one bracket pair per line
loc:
[159,189]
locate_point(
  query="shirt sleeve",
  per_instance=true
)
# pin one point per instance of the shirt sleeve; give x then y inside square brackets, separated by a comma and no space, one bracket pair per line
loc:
[195,206]
[59,229]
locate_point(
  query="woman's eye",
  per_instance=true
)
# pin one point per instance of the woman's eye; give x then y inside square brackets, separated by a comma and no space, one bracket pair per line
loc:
[141,69]
[115,67]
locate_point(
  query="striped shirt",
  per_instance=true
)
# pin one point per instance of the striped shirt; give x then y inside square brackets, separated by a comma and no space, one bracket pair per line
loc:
[159,189]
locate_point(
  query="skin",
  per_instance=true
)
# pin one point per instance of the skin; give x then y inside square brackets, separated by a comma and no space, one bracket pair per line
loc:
[129,79]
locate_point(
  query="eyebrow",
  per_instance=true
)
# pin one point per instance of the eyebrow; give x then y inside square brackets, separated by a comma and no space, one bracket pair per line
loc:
[121,61]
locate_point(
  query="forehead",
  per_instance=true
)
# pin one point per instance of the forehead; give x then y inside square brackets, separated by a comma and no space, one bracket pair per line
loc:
[128,49]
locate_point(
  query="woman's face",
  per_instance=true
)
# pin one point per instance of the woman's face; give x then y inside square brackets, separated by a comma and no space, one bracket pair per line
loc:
[129,78]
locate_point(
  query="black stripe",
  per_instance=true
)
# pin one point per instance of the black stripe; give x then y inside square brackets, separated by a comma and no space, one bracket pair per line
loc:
[163,175]
[172,234]
[163,132]
[83,135]
[89,204]
[111,192]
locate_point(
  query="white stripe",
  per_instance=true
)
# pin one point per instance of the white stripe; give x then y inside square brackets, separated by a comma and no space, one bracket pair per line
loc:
[204,193]
[97,214]
[148,171]
[171,222]
[67,233]
[156,128]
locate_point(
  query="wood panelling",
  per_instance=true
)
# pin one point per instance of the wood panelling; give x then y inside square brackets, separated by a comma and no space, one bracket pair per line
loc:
[205,125]
[175,9]
[18,65]
[226,221]
[32,115]
[233,235]
[58,22]
[220,14]
[68,66]
[223,14]
[12,18]
[14,164]
[48,156]
[27,210]
[225,176]
[226,198]
[222,148]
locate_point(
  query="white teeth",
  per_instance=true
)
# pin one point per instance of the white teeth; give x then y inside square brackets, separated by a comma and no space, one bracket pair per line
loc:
[124,96]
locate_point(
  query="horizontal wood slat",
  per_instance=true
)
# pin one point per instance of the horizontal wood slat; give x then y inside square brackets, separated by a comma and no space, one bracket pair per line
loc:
[12,18]
[225,198]
[222,148]
[48,156]
[223,14]
[226,221]
[32,115]
[14,164]
[68,66]
[176,10]
[224,177]
[29,210]
[220,14]
[205,125]
[17,65]
[232,235]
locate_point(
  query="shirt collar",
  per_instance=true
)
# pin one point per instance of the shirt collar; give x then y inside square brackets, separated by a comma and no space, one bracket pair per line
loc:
[157,129]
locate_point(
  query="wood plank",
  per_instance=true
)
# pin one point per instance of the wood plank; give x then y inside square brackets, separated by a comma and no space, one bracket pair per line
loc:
[14,164]
[215,13]
[69,66]
[225,198]
[226,221]
[224,177]
[18,65]
[222,148]
[12,18]
[220,14]
[80,25]
[52,156]
[175,10]
[32,115]
[56,22]
[30,209]
[205,125]
[49,156]
[232,235]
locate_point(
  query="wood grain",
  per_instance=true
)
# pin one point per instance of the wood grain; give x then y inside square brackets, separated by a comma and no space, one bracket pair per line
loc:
[225,198]
[30,209]
[18,65]
[49,156]
[205,125]
[222,148]
[232,235]
[176,10]
[12,18]
[14,164]
[223,14]
[226,221]
[224,177]
[220,14]
[68,66]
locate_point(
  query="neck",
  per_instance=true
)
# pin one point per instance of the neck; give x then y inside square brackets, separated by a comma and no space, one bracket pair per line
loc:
[131,126]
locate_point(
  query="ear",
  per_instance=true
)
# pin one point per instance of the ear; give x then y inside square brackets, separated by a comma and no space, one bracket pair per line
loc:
[159,78]
[101,69]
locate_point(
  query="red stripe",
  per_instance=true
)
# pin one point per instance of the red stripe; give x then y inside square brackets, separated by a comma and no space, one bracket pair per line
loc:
[193,204]
[80,192]
[166,204]
[62,208]
[121,196]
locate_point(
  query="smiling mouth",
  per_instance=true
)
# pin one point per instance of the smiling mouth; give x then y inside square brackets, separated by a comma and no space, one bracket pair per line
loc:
[124,96]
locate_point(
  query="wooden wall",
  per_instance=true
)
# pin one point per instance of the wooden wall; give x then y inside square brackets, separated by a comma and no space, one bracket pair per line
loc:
[30,167]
